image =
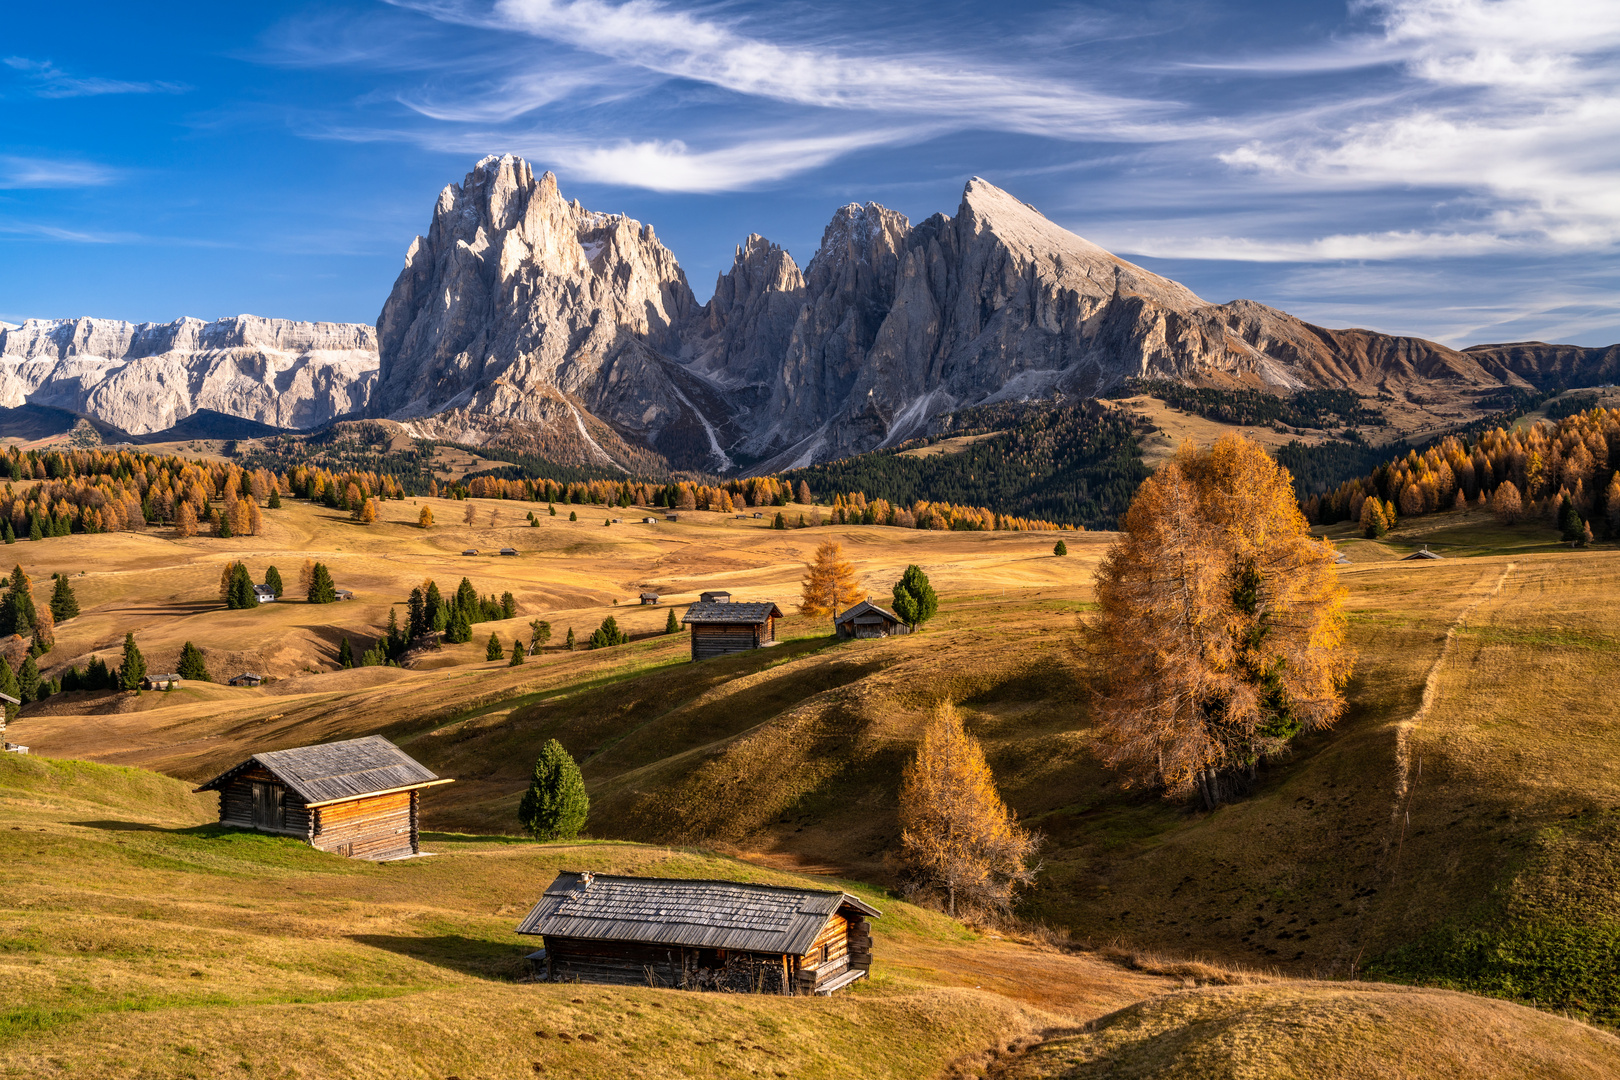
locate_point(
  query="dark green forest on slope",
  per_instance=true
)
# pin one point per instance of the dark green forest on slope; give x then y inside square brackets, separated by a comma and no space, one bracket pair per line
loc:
[1072,464]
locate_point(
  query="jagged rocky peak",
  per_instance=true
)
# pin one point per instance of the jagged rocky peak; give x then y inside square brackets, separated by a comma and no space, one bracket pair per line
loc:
[146,377]
[516,296]
[742,332]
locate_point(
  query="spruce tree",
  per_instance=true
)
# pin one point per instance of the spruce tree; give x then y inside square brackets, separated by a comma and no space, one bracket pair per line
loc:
[780,522]
[321,589]
[508,606]
[914,598]
[28,681]
[133,669]
[272,577]
[275,502]
[467,600]
[607,635]
[555,806]
[458,631]
[395,644]
[345,653]
[1569,522]
[573,515]
[433,606]
[672,625]
[64,605]
[11,537]
[192,665]
[570,639]
[241,589]
[517,653]
[539,634]
[493,651]
[1060,549]
[34,531]
[9,687]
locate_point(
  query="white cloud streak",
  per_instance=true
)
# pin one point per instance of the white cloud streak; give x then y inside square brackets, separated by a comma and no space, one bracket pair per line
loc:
[32,172]
[46,80]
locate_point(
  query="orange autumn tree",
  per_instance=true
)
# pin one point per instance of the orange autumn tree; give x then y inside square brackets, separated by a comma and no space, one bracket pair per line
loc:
[957,836]
[1221,625]
[830,584]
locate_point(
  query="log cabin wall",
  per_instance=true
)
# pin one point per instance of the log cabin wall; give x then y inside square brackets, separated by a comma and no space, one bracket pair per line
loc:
[721,639]
[378,827]
[642,964]
[236,804]
[843,943]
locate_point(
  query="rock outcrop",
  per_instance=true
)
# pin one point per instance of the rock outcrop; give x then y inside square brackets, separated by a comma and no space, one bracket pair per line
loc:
[147,377]
[519,307]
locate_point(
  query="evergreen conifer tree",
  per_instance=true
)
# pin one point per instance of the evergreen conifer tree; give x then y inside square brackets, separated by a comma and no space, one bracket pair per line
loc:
[508,606]
[1569,522]
[11,537]
[914,598]
[540,633]
[28,681]
[493,651]
[552,510]
[517,652]
[272,577]
[458,630]
[345,653]
[780,522]
[321,589]
[64,605]
[34,531]
[607,635]
[433,606]
[192,665]
[275,502]
[672,625]
[1060,549]
[570,639]
[573,515]
[241,589]
[555,806]
[9,687]
[133,669]
[395,644]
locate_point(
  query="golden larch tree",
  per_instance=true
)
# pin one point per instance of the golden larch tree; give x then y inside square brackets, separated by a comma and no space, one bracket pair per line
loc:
[425,518]
[472,512]
[957,836]
[185,520]
[829,584]
[1221,629]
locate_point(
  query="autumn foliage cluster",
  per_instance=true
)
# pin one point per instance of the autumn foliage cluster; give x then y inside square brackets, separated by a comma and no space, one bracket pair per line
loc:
[1221,630]
[1527,471]
[957,837]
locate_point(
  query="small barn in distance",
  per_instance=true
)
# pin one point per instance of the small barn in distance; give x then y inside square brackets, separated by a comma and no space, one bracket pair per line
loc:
[649,598]
[247,678]
[720,627]
[1421,555]
[867,620]
[360,797]
[701,935]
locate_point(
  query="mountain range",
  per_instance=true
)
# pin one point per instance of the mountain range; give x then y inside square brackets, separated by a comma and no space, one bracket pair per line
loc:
[523,318]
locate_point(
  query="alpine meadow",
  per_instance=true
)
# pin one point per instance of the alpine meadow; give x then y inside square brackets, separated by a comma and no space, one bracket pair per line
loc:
[699,568]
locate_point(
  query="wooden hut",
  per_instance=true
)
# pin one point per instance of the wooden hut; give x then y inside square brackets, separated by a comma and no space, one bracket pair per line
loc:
[700,935]
[509,552]
[649,598]
[247,678]
[1423,555]
[159,682]
[721,627]
[867,620]
[716,596]
[359,797]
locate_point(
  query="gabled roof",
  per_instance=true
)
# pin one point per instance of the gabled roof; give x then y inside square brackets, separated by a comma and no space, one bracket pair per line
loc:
[704,914]
[867,608]
[721,612]
[1424,554]
[334,772]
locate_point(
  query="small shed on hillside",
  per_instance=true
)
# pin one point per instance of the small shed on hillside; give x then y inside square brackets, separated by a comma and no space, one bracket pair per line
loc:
[247,678]
[867,620]
[159,682]
[343,594]
[1424,554]
[649,598]
[716,596]
[470,551]
[721,627]
[649,521]
[700,935]
[360,797]
[265,593]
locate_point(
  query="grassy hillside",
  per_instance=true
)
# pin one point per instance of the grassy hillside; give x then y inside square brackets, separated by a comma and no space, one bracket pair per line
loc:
[1464,842]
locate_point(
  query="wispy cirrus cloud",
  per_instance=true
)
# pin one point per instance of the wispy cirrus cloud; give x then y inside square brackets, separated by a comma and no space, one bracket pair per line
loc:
[36,172]
[44,79]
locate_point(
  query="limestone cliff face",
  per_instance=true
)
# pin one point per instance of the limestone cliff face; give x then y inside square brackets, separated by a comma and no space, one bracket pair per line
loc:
[146,377]
[519,307]
[522,309]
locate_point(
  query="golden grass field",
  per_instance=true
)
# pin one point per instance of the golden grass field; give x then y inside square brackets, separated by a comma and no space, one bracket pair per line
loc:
[1490,807]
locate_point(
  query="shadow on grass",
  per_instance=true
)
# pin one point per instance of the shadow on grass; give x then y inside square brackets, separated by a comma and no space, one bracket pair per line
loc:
[473,838]
[209,830]
[480,958]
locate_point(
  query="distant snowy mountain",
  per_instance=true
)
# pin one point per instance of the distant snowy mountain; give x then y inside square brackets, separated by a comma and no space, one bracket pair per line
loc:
[148,377]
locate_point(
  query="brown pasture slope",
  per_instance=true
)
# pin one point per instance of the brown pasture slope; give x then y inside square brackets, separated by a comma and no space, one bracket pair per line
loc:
[1490,807]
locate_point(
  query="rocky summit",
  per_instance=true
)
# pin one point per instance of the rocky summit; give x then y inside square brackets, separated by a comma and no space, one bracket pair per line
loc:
[147,377]
[523,315]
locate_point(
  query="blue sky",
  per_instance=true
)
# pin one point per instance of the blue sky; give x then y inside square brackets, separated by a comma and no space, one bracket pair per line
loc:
[1448,168]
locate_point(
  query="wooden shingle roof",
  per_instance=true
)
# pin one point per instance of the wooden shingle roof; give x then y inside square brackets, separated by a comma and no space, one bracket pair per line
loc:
[867,612]
[334,772]
[716,612]
[700,914]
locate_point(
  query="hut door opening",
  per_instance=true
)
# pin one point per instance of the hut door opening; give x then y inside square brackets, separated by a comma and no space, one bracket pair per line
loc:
[268,812]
